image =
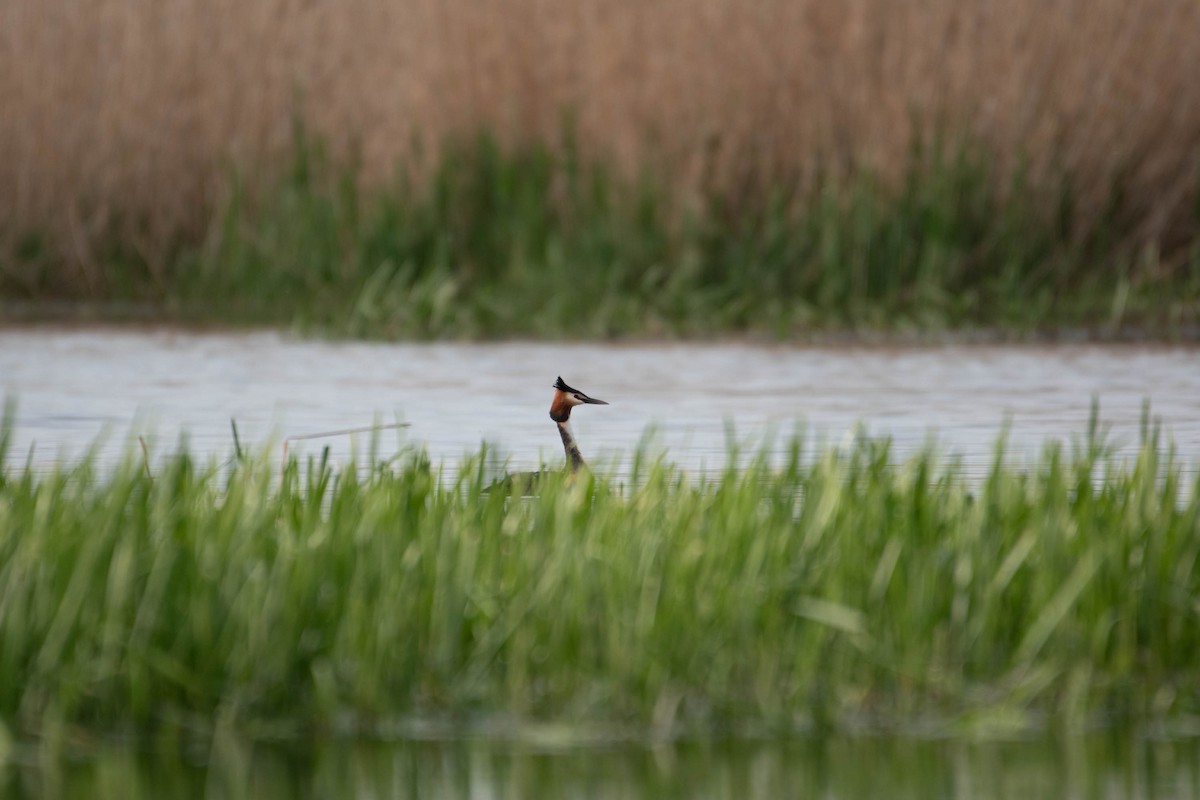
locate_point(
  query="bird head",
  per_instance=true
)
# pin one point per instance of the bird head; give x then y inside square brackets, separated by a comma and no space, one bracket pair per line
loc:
[566,398]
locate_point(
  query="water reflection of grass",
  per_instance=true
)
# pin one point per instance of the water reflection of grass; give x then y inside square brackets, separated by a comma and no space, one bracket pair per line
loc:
[838,591]
[805,768]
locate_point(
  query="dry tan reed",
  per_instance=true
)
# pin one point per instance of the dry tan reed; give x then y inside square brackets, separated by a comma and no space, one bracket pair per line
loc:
[129,112]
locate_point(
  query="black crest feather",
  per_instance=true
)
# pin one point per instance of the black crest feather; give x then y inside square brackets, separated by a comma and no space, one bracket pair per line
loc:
[562,386]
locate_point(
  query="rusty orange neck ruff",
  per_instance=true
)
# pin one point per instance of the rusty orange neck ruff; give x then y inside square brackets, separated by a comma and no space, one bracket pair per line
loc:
[560,407]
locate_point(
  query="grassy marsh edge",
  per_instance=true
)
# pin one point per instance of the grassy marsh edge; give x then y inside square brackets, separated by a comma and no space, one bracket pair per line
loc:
[837,591]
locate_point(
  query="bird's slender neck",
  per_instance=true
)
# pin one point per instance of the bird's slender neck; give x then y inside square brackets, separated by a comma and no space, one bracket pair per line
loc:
[574,458]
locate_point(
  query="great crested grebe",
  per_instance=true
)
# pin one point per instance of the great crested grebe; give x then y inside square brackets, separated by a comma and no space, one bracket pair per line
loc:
[565,398]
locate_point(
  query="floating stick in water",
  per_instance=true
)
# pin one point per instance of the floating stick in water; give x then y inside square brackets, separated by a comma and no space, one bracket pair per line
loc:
[237,442]
[343,432]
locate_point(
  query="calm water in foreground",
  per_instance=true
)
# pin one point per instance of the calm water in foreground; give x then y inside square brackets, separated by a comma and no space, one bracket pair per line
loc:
[841,769]
[82,388]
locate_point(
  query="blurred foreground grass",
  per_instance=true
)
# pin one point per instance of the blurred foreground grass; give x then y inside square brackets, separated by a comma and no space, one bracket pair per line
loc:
[838,590]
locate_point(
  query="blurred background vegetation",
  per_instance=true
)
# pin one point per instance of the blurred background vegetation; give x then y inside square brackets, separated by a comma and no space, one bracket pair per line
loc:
[600,169]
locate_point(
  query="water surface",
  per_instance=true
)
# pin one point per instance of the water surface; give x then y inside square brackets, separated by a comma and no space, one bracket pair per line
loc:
[75,385]
[835,769]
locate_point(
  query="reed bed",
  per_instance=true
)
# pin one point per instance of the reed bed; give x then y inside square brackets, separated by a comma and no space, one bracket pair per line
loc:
[131,127]
[543,244]
[838,591]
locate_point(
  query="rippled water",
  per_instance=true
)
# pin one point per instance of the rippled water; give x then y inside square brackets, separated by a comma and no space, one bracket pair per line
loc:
[75,385]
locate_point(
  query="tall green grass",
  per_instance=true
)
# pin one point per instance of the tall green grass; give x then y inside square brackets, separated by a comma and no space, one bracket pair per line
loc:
[536,242]
[837,590]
